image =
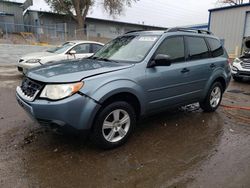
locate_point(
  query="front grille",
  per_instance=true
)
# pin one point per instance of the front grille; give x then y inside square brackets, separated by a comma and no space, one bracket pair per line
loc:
[29,89]
[245,63]
[242,73]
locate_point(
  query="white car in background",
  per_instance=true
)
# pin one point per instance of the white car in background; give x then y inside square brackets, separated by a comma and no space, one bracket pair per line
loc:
[68,50]
[241,67]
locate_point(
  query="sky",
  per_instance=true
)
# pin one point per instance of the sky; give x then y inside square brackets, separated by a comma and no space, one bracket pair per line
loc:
[164,13]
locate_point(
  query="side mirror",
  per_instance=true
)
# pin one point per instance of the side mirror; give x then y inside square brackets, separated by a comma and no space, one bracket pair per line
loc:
[161,60]
[72,52]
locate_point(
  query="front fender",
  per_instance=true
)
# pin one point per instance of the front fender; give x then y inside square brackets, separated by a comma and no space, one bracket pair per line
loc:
[111,88]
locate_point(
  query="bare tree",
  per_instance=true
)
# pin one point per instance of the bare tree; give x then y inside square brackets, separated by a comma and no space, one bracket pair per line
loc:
[78,9]
[233,2]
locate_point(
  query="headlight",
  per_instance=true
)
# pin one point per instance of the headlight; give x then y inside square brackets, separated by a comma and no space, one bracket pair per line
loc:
[60,91]
[33,61]
[237,60]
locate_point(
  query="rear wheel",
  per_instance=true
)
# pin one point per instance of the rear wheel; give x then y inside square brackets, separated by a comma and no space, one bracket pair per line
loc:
[113,125]
[213,99]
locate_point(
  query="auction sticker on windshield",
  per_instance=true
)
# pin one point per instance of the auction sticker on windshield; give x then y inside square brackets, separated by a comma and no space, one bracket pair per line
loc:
[148,38]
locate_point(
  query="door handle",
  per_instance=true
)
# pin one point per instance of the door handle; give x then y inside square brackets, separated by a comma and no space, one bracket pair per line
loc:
[185,70]
[212,65]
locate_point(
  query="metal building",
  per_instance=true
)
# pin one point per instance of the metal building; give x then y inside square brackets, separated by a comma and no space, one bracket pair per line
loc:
[232,25]
[59,24]
[202,26]
[11,16]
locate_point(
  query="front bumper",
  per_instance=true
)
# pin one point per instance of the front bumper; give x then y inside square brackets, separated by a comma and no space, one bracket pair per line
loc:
[24,67]
[76,112]
[238,71]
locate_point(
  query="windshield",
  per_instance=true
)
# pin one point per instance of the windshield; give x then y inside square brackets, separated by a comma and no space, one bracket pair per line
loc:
[127,48]
[62,48]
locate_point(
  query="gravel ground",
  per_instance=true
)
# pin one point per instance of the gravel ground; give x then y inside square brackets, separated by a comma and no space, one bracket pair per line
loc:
[10,54]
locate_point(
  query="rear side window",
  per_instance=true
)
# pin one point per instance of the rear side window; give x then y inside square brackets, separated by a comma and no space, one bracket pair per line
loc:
[197,48]
[174,48]
[96,47]
[82,48]
[215,47]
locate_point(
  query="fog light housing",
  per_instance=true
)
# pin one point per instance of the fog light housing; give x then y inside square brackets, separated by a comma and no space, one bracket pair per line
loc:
[234,69]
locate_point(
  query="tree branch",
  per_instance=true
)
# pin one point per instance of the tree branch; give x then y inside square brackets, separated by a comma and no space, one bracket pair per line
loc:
[67,9]
[78,9]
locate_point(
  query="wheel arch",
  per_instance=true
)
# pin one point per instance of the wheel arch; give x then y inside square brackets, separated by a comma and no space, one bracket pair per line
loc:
[218,76]
[128,97]
[121,90]
[222,81]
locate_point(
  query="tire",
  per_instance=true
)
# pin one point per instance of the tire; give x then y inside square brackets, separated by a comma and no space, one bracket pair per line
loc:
[113,133]
[213,98]
[237,79]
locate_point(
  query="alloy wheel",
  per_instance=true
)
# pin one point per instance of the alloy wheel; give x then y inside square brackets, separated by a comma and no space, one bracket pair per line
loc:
[116,125]
[215,97]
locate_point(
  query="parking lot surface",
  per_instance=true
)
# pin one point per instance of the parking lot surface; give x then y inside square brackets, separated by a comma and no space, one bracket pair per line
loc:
[179,148]
[10,53]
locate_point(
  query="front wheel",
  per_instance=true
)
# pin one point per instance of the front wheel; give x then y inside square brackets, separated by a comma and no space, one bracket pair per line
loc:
[213,99]
[113,125]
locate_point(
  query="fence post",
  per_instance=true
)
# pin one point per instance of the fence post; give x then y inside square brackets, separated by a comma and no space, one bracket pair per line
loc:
[55,31]
[75,34]
[65,32]
[87,33]
[6,30]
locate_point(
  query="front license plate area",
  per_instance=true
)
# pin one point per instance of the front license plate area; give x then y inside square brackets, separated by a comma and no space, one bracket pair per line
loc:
[25,106]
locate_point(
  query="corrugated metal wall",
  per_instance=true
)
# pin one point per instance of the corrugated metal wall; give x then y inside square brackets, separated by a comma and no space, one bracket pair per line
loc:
[247,27]
[95,27]
[16,10]
[12,8]
[229,25]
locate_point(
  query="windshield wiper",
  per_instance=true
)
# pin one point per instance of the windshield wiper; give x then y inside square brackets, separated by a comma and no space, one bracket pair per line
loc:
[104,59]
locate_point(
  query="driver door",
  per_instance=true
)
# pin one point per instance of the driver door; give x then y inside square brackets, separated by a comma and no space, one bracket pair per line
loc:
[166,85]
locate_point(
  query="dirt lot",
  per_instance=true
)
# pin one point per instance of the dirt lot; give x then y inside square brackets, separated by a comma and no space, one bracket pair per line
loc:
[184,148]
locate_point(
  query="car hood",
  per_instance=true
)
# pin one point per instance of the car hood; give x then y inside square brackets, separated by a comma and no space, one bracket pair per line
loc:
[38,55]
[73,70]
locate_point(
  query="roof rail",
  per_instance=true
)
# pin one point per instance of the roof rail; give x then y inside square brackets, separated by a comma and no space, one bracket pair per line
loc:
[133,31]
[200,31]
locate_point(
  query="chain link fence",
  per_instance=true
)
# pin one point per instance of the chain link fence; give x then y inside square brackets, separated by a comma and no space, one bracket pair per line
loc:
[52,34]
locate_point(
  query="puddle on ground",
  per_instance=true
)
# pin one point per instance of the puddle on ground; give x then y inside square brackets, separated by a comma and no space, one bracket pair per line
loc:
[163,147]
[235,91]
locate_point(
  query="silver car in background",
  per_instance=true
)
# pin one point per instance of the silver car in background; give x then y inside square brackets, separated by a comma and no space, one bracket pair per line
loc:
[68,50]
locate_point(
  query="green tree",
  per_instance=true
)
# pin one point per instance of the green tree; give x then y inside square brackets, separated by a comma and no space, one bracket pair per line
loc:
[78,9]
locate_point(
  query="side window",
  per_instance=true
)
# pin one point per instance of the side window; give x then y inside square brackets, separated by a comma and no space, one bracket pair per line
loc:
[197,48]
[96,47]
[174,48]
[216,47]
[82,48]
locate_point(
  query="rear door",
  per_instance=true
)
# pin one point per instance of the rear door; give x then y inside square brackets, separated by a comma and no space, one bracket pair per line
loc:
[198,65]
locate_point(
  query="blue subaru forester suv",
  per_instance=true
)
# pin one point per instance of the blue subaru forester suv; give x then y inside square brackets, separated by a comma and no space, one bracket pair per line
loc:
[134,75]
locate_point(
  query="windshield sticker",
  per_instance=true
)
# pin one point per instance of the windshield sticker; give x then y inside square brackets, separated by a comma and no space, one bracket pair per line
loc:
[147,38]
